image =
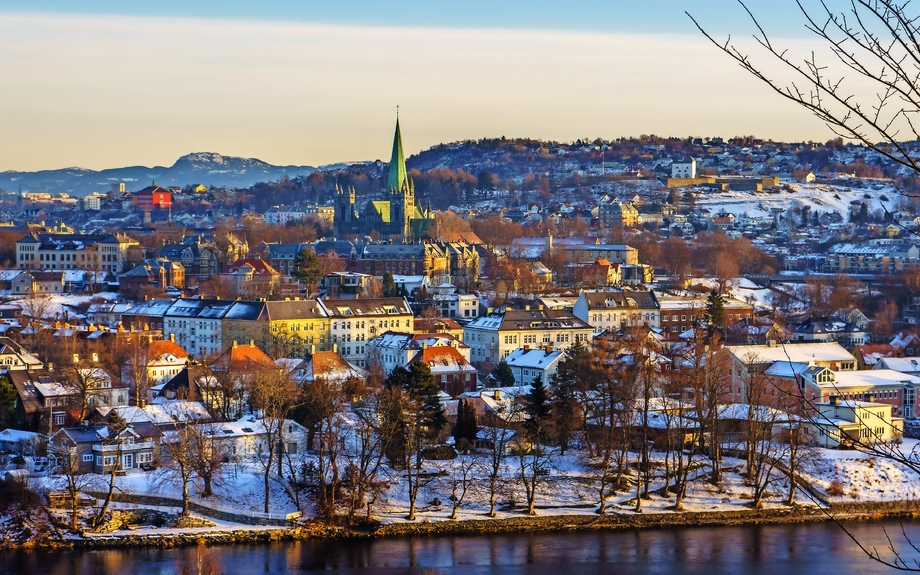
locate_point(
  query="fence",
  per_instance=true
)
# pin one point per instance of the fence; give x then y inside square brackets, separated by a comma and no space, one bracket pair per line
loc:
[208,509]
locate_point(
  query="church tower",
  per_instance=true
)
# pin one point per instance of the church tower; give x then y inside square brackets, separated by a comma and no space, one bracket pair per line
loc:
[401,189]
[344,220]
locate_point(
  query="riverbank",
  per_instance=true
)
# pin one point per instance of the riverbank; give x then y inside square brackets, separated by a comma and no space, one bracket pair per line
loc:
[616,520]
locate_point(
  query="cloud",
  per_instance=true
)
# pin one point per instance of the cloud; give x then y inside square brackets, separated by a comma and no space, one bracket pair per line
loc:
[101,91]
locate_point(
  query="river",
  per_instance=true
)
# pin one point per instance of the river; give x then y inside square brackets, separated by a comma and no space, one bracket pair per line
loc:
[805,548]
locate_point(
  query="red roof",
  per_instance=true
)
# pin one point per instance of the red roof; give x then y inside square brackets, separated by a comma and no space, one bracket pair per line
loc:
[245,358]
[260,266]
[326,363]
[440,355]
[161,347]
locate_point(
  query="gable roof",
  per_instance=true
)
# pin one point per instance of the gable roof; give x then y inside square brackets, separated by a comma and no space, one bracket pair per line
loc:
[796,352]
[442,358]
[160,348]
[330,366]
[620,299]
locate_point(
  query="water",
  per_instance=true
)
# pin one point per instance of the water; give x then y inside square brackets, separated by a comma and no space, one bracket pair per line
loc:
[812,549]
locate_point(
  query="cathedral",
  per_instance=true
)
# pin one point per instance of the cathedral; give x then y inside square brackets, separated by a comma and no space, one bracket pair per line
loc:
[395,218]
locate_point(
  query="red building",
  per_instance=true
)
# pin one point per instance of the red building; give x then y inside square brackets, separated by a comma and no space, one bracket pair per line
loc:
[153,198]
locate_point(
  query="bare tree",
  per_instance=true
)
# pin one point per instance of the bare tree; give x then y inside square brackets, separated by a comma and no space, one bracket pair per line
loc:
[874,42]
[180,459]
[37,308]
[75,481]
[496,433]
[111,448]
[209,454]
[273,392]
[460,479]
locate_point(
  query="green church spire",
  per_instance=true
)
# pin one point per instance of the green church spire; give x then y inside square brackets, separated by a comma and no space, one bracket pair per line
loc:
[398,180]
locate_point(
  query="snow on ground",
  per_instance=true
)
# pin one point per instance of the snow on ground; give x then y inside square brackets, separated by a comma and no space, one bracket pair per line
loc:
[569,488]
[241,488]
[818,197]
[863,477]
[60,303]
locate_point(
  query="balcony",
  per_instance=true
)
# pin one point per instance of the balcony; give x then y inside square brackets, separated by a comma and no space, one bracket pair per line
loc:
[125,447]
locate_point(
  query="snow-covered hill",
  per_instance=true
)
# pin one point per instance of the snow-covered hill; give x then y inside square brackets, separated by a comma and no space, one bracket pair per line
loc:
[819,198]
[207,168]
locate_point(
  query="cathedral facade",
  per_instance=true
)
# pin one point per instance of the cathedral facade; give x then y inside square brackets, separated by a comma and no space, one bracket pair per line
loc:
[394,218]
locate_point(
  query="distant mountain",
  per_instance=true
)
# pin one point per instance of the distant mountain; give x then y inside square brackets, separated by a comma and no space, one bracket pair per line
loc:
[206,168]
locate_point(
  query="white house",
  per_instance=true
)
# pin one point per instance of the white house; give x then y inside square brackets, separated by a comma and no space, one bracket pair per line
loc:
[854,422]
[528,364]
[683,167]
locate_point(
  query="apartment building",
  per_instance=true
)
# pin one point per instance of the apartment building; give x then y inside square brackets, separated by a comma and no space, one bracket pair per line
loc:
[492,337]
[354,322]
[615,310]
[93,252]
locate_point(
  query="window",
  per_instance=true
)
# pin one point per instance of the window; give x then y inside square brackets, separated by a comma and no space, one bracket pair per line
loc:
[87,457]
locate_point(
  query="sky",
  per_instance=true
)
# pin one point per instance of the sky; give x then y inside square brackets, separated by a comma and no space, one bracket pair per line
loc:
[108,84]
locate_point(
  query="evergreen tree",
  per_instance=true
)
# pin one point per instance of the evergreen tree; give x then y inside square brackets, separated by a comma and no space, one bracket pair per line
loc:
[715,310]
[502,375]
[8,397]
[466,428]
[306,267]
[389,286]
[576,372]
[415,417]
[426,393]
[537,409]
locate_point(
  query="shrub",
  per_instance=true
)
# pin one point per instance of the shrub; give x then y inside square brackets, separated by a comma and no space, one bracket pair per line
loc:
[16,492]
[835,489]
[440,453]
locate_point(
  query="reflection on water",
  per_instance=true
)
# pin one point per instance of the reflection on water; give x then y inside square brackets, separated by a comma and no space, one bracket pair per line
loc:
[811,549]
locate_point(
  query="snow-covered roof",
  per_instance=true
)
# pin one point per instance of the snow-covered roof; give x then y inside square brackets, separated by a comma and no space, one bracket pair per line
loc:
[165,413]
[874,377]
[533,358]
[902,364]
[15,435]
[797,352]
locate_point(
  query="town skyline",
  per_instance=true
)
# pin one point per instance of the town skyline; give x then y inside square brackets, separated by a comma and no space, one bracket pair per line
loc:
[110,87]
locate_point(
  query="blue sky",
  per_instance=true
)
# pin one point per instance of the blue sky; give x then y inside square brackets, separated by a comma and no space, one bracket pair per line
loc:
[103,84]
[595,15]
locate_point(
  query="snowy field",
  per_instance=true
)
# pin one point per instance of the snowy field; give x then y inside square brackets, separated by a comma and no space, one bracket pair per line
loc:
[58,304]
[570,488]
[241,489]
[818,197]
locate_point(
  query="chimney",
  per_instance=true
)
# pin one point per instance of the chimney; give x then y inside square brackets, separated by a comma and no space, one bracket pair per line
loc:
[172,337]
[833,399]
[526,308]
[312,349]
[549,349]
[870,397]
[252,343]
[235,343]
[424,345]
[335,348]
[497,394]
[50,366]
